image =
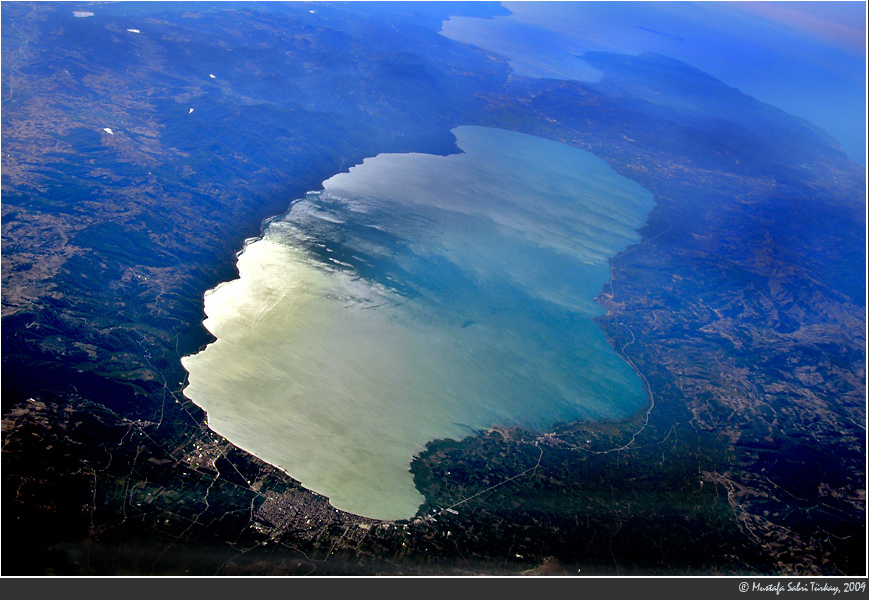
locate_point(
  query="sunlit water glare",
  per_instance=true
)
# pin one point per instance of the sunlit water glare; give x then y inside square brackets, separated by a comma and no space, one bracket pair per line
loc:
[420,297]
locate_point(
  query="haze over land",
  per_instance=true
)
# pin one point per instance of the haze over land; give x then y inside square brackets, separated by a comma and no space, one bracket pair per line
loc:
[812,57]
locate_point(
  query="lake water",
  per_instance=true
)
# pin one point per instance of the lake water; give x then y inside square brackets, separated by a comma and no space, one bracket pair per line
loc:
[420,297]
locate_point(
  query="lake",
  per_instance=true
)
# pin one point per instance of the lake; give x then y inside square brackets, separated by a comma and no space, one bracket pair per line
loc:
[419,297]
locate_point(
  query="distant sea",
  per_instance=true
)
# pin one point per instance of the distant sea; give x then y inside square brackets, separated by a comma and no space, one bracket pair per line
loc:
[420,297]
[806,58]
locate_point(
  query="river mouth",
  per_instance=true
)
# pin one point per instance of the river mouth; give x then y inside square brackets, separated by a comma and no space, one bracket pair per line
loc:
[420,297]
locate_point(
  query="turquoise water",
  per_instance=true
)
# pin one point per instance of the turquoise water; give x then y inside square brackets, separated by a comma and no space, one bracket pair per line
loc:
[413,298]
